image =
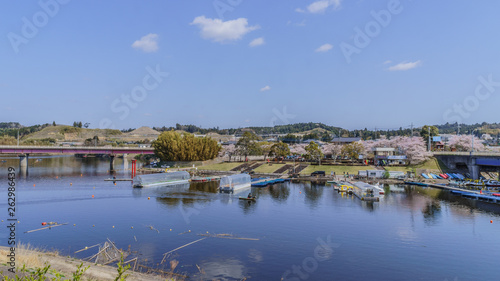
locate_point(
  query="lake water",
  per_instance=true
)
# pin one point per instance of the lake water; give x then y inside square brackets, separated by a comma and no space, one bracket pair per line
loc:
[305,231]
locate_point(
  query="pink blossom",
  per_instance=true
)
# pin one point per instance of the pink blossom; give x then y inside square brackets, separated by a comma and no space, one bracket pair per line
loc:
[464,143]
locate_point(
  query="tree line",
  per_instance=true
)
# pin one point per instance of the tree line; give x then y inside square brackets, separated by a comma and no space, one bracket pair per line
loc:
[173,146]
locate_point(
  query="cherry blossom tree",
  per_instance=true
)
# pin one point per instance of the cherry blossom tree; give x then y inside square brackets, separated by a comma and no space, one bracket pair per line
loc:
[228,150]
[298,149]
[414,148]
[464,143]
[332,149]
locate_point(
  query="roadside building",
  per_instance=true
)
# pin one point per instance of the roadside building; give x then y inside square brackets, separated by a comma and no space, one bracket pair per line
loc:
[343,141]
[384,156]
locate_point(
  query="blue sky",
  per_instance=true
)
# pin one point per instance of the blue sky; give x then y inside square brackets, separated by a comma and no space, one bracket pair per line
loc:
[238,63]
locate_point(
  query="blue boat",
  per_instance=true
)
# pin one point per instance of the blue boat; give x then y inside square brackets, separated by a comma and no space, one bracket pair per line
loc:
[425,176]
[415,183]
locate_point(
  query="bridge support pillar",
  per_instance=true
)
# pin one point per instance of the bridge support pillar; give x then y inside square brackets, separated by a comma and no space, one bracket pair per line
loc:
[23,161]
[125,163]
[23,164]
[111,163]
[474,171]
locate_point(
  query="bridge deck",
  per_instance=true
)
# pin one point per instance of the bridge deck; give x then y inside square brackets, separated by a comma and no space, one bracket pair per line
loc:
[7,149]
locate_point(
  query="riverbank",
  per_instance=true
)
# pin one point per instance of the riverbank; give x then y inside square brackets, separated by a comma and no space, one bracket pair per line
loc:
[64,266]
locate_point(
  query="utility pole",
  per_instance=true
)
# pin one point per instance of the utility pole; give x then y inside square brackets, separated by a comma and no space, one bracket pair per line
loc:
[458,129]
[411,126]
[17,137]
[472,136]
[429,145]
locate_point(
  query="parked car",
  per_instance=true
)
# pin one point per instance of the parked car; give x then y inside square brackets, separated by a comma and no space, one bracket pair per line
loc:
[318,173]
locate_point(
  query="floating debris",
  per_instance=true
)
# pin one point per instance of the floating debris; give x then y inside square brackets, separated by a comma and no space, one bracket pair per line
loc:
[165,255]
[47,227]
[153,228]
[108,253]
[226,236]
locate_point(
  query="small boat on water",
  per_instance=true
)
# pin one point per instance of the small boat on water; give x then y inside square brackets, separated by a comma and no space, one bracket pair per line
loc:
[378,188]
[253,199]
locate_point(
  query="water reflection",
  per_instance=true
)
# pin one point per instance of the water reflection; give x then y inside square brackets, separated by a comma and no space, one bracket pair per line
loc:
[431,212]
[248,207]
[313,193]
[65,165]
[219,268]
[279,192]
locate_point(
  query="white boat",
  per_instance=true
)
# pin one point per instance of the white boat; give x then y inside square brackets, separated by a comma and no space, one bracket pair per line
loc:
[378,188]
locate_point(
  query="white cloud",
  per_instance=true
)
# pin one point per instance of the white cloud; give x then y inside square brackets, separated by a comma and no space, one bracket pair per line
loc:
[319,7]
[148,43]
[257,42]
[223,31]
[266,88]
[324,48]
[405,66]
[387,62]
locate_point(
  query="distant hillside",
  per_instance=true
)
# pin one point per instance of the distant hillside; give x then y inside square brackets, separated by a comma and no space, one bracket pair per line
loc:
[69,133]
[10,125]
[483,128]
[144,132]
[279,129]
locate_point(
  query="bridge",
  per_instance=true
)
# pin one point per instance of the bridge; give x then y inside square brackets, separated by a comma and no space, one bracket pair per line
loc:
[474,162]
[25,151]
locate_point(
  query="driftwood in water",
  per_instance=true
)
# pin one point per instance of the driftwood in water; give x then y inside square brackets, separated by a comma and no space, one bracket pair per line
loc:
[227,236]
[47,227]
[108,253]
[86,248]
[165,255]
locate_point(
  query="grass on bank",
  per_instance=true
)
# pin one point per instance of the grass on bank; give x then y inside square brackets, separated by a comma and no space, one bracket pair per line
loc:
[268,168]
[432,164]
[339,170]
[226,166]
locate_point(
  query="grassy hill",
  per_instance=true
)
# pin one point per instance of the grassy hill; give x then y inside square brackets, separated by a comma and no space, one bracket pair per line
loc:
[69,133]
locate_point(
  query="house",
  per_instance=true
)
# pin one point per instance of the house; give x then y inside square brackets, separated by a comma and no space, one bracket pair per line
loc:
[387,156]
[343,141]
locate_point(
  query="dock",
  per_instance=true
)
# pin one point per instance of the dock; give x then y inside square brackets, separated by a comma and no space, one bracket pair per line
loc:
[471,194]
[118,180]
[263,182]
[205,179]
[364,191]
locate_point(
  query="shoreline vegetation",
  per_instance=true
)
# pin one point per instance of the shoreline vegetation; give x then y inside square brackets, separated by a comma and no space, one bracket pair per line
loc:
[38,264]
